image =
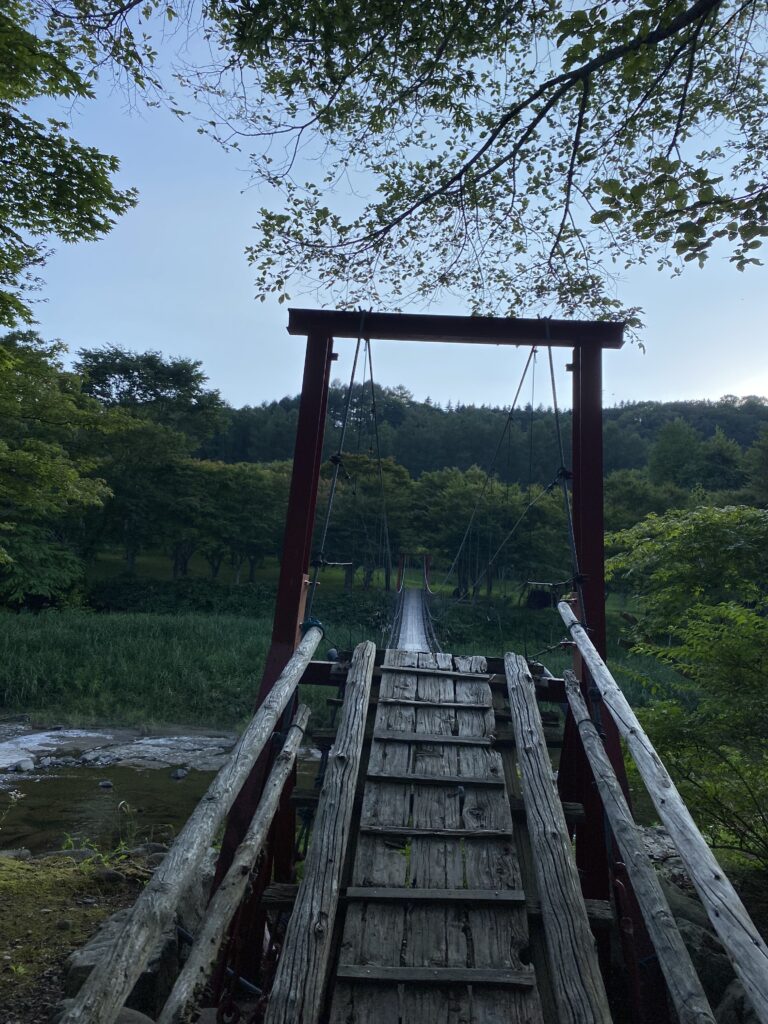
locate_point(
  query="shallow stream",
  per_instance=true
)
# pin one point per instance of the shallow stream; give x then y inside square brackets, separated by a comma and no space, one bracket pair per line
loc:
[105,786]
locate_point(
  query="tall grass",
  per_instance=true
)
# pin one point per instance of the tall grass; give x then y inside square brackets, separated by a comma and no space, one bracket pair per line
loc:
[492,628]
[132,668]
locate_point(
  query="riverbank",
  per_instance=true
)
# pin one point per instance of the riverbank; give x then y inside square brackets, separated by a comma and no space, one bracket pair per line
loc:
[48,908]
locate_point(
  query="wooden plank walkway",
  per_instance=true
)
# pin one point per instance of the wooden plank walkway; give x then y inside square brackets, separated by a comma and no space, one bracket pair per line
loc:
[456,952]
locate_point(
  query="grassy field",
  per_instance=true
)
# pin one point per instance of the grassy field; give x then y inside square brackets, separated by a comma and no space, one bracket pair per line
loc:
[150,650]
[146,668]
[131,669]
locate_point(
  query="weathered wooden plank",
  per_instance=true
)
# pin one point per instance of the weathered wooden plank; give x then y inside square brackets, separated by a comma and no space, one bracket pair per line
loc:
[498,935]
[438,975]
[438,704]
[431,831]
[106,988]
[684,986]
[423,737]
[282,895]
[411,895]
[432,672]
[553,737]
[373,933]
[421,778]
[300,981]
[578,987]
[354,1003]
[433,934]
[205,951]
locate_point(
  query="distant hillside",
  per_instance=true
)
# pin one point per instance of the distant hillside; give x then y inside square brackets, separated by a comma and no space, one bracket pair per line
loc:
[423,436]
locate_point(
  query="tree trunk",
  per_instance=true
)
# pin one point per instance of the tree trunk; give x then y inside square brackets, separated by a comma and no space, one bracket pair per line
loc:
[182,553]
[214,563]
[253,563]
[349,576]
[463,578]
[367,578]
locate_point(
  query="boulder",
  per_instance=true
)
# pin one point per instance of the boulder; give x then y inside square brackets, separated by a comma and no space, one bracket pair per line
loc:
[126,1016]
[20,854]
[154,984]
[734,1007]
[709,959]
[683,907]
[77,855]
[26,764]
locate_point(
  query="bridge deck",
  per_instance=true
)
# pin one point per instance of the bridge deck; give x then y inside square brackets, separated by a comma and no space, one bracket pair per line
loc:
[448,941]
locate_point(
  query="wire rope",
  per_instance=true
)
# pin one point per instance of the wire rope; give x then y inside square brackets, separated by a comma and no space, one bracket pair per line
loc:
[564,476]
[388,552]
[489,472]
[337,461]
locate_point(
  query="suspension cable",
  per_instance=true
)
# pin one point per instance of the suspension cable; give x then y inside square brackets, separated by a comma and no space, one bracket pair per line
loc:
[337,461]
[489,472]
[521,518]
[388,549]
[564,476]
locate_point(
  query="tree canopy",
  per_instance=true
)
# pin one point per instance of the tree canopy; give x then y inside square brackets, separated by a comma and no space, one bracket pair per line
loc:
[521,153]
[52,185]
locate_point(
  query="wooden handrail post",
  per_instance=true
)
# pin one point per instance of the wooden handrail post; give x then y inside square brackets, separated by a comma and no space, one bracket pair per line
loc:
[302,970]
[109,984]
[742,941]
[220,911]
[683,982]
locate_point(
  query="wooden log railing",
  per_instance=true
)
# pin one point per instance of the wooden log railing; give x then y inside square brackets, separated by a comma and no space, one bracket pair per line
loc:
[577,985]
[302,970]
[111,981]
[682,981]
[741,940]
[205,951]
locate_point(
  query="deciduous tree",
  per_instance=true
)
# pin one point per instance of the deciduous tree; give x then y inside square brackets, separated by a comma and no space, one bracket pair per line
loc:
[520,154]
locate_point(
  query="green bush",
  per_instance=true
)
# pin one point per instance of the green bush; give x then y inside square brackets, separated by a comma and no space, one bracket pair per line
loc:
[132,669]
[170,597]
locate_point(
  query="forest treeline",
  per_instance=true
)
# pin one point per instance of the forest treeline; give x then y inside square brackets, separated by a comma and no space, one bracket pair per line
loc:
[135,452]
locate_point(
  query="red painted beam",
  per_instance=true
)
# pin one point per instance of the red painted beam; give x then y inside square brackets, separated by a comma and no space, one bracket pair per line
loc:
[471,330]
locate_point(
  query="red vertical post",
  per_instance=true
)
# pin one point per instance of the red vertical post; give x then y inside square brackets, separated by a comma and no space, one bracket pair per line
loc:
[302,502]
[597,857]
[575,777]
[291,589]
[589,521]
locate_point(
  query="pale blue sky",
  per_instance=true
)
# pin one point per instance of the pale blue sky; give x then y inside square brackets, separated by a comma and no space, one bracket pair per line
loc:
[172,276]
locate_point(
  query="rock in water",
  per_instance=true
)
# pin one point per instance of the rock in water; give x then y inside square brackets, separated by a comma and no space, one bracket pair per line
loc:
[179,774]
[105,784]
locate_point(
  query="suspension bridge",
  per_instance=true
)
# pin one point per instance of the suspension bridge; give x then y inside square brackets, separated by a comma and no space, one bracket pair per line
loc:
[469,859]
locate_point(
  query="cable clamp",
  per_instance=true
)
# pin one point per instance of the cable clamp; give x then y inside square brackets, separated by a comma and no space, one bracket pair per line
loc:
[311,623]
[336,460]
[564,474]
